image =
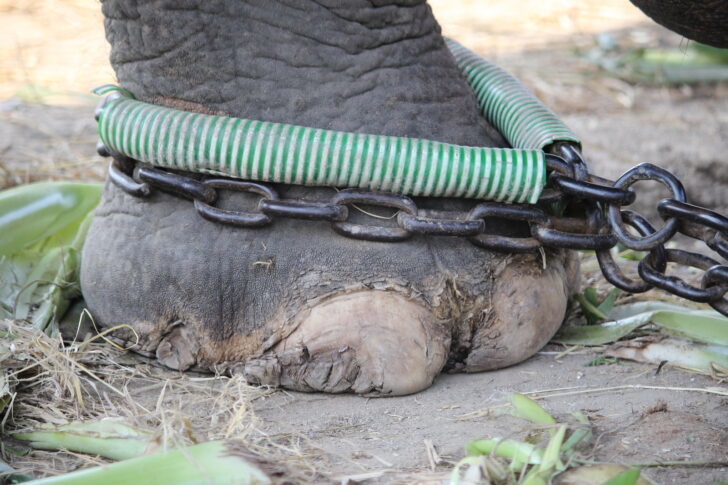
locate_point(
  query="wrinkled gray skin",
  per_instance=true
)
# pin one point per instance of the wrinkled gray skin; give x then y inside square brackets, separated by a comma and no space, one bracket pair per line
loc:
[293,304]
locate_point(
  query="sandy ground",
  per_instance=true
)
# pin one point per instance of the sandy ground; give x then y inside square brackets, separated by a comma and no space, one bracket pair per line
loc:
[389,434]
[47,132]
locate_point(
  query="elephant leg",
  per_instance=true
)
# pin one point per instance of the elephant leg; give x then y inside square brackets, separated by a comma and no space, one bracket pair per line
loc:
[294,304]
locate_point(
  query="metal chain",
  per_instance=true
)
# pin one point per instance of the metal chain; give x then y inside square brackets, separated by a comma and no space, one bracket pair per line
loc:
[599,225]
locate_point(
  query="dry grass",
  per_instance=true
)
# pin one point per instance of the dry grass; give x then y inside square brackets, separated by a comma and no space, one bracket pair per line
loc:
[53,383]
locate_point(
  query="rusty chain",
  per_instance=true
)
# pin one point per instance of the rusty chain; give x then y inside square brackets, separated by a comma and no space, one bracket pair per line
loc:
[577,210]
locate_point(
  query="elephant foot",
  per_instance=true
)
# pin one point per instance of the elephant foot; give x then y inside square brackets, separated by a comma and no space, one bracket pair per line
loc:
[528,304]
[367,342]
[297,306]
[381,343]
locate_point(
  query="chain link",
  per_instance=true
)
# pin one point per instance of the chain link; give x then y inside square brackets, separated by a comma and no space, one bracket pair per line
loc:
[600,223]
[609,267]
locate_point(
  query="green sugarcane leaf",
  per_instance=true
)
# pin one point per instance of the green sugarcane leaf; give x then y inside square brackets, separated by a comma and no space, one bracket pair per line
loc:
[711,329]
[591,296]
[601,360]
[38,283]
[526,408]
[13,278]
[31,213]
[217,462]
[600,334]
[518,452]
[551,456]
[629,477]
[632,309]
[534,478]
[48,288]
[702,325]
[109,437]
[606,306]
[580,434]
[676,66]
[591,312]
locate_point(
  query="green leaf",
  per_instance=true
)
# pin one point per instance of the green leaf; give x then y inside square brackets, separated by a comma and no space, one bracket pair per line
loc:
[534,478]
[580,434]
[217,462]
[551,461]
[601,360]
[591,296]
[696,63]
[517,451]
[606,306]
[598,334]
[37,285]
[30,213]
[109,437]
[711,329]
[38,281]
[629,477]
[591,312]
[702,325]
[526,408]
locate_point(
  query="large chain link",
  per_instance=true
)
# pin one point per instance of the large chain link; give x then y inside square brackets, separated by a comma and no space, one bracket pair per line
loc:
[599,224]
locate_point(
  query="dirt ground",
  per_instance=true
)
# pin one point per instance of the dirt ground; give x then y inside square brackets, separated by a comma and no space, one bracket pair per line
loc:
[389,434]
[47,132]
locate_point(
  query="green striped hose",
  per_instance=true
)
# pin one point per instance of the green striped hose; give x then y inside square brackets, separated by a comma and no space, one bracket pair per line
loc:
[282,153]
[508,105]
